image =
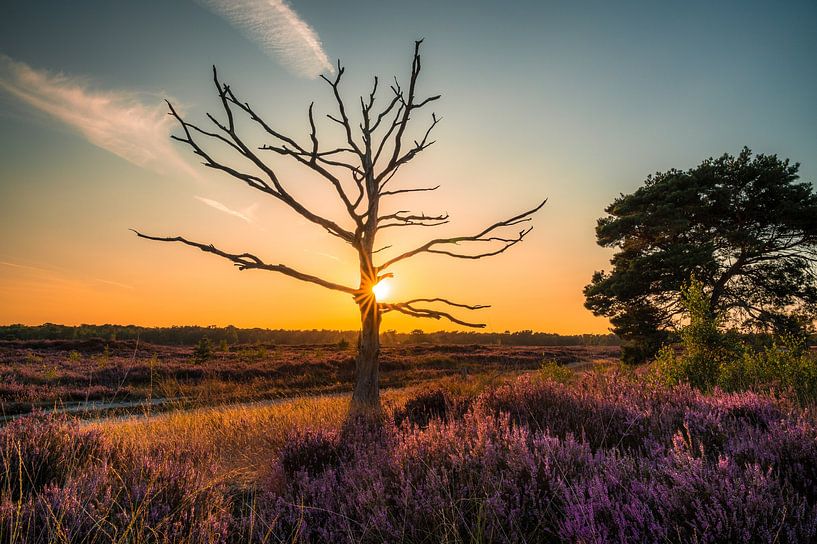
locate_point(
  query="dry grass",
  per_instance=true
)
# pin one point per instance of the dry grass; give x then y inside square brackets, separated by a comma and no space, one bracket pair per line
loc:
[243,439]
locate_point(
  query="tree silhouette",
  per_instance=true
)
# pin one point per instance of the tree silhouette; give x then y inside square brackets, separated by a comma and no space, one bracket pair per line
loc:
[744,226]
[360,171]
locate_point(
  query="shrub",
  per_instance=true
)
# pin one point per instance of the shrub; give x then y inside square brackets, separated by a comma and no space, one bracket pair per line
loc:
[711,358]
[37,451]
[570,411]
[786,365]
[203,351]
[705,347]
[435,403]
[64,484]
[311,451]
[551,370]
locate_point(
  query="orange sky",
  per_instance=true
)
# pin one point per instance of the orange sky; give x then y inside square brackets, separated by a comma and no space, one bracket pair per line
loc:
[78,263]
[537,101]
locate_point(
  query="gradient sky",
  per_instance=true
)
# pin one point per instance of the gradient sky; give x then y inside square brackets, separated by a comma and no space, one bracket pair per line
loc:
[575,101]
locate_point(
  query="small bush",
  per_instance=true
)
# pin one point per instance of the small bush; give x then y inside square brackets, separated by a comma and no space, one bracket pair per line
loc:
[203,351]
[432,404]
[311,452]
[551,370]
[786,365]
[709,357]
[564,411]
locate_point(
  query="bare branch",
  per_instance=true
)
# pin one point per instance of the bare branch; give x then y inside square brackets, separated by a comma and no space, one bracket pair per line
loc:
[295,150]
[417,190]
[405,219]
[446,301]
[236,143]
[507,243]
[419,146]
[408,105]
[408,309]
[251,180]
[394,101]
[245,261]
[344,119]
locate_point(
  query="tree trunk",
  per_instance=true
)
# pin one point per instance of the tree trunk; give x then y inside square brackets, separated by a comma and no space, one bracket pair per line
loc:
[366,396]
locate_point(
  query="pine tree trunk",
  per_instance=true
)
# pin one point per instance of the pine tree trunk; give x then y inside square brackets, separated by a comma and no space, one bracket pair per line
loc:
[366,396]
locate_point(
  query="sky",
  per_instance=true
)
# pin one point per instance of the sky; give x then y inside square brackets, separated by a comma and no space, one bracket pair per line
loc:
[574,101]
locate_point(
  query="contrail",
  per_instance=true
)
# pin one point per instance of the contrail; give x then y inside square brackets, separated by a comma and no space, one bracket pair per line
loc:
[222,208]
[278,31]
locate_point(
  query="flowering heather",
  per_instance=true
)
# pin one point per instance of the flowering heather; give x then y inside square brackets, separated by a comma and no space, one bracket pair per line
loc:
[604,458]
[65,484]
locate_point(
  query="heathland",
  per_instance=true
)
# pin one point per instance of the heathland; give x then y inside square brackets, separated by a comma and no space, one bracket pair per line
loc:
[475,443]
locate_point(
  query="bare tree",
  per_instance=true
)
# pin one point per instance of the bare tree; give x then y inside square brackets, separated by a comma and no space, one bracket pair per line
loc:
[371,155]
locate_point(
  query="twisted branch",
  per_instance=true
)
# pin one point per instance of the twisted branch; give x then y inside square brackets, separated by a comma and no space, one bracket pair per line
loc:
[409,308]
[507,243]
[248,261]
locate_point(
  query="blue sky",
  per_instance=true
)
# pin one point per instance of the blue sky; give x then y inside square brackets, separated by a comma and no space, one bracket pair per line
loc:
[577,101]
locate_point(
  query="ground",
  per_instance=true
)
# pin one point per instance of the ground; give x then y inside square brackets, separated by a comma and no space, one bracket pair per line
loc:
[96,375]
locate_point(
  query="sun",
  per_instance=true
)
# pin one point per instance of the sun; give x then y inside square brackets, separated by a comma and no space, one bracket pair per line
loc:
[381,290]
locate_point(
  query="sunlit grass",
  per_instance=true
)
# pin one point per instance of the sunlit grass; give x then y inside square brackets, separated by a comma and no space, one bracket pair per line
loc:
[242,439]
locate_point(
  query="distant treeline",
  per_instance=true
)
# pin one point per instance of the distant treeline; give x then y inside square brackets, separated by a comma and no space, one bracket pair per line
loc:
[188,336]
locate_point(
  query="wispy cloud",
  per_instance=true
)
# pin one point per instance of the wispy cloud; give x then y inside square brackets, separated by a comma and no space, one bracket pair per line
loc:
[222,208]
[132,125]
[26,267]
[278,31]
[322,254]
[114,283]
[61,275]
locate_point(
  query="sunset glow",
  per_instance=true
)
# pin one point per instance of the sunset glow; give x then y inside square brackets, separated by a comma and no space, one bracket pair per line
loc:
[546,103]
[381,290]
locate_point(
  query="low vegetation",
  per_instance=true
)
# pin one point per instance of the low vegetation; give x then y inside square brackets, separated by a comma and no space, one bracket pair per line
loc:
[716,441]
[191,335]
[65,372]
[596,457]
[710,356]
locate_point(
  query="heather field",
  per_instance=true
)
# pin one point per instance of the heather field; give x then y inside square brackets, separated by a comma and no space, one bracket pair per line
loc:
[93,373]
[550,456]
[319,272]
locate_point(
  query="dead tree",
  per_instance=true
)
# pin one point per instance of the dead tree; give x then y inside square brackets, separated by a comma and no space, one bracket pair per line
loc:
[360,171]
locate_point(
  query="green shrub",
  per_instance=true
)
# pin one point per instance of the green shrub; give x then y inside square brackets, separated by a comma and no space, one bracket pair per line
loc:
[551,370]
[786,365]
[710,357]
[203,351]
[705,346]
